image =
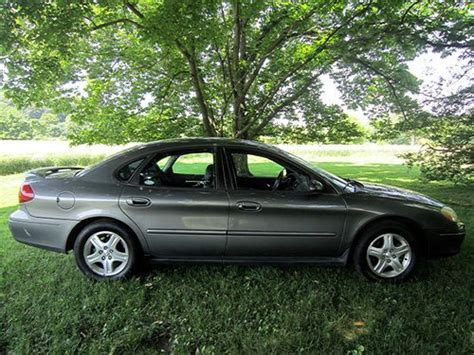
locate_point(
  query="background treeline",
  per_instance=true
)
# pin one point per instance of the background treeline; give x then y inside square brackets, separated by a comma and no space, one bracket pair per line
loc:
[30,123]
[332,126]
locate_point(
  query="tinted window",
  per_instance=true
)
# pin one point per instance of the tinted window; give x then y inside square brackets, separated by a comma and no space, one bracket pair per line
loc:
[193,163]
[255,172]
[125,173]
[253,165]
[190,169]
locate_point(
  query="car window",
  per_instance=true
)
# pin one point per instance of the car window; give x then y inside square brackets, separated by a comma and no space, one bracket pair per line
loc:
[163,162]
[193,163]
[190,170]
[254,165]
[125,173]
[255,172]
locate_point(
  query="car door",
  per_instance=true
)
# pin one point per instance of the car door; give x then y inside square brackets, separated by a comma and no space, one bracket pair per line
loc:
[181,216]
[278,224]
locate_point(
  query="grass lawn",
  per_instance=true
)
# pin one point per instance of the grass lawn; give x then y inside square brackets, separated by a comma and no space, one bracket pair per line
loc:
[48,305]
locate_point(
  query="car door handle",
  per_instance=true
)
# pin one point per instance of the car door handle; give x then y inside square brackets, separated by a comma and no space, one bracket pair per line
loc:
[139,201]
[249,206]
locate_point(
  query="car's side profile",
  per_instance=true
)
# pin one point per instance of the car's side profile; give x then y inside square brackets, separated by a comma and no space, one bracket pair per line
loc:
[231,201]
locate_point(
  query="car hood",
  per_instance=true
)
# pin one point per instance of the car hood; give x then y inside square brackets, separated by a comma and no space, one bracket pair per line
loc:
[399,194]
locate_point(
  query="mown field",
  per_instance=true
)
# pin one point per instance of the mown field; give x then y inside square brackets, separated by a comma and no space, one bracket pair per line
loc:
[48,306]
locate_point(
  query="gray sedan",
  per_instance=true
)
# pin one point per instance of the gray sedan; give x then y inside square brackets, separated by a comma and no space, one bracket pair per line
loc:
[227,201]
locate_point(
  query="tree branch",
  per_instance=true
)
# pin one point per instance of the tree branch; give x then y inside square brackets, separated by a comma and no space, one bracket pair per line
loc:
[278,42]
[197,83]
[288,101]
[133,9]
[320,48]
[115,22]
[407,11]
[388,80]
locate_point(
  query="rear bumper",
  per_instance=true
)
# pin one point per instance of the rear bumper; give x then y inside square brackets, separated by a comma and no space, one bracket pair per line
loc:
[46,233]
[445,243]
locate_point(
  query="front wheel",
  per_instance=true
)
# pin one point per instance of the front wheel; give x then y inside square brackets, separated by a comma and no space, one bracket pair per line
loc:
[105,250]
[386,252]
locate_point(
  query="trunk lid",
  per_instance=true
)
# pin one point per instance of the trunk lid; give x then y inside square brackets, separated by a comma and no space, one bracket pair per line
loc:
[51,172]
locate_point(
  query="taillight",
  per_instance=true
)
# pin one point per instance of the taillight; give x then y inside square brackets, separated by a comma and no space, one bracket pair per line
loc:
[26,193]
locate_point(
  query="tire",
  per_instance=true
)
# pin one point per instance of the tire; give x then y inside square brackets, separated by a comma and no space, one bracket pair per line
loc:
[379,260]
[104,250]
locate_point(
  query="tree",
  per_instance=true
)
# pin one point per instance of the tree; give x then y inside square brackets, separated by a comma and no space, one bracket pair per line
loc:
[147,69]
[14,124]
[448,153]
[30,123]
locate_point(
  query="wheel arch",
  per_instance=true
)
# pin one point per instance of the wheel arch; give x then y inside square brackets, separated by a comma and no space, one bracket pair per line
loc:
[78,227]
[408,222]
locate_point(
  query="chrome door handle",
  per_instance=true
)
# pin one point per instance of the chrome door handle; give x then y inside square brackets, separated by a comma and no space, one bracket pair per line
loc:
[249,206]
[138,201]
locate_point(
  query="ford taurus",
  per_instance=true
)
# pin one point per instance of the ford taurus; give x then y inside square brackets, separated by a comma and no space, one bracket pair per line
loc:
[227,201]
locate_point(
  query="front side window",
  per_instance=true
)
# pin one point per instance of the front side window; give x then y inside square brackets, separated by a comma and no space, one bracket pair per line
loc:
[256,172]
[254,165]
[190,170]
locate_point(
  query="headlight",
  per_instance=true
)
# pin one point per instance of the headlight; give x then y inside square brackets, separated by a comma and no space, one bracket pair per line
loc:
[449,214]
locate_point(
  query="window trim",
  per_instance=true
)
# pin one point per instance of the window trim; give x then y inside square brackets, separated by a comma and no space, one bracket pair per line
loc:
[133,182]
[329,188]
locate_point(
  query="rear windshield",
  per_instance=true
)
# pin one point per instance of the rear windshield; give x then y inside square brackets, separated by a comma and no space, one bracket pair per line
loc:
[109,158]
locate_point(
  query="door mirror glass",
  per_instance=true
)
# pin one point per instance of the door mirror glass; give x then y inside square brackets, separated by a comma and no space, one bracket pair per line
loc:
[316,185]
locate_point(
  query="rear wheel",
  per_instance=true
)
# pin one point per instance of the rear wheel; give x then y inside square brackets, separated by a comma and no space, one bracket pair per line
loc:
[104,250]
[386,252]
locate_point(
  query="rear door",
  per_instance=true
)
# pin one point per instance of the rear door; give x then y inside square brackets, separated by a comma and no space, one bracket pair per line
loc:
[278,224]
[182,215]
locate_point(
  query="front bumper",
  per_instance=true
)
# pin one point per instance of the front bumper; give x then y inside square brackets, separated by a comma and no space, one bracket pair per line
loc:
[46,233]
[444,243]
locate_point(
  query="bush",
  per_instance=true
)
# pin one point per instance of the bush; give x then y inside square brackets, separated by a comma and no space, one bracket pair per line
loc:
[13,165]
[449,151]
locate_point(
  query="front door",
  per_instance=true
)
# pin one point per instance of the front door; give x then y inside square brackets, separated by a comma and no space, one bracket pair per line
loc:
[178,201]
[282,221]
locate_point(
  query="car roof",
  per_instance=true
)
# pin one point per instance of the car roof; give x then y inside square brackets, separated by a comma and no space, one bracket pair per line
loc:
[201,140]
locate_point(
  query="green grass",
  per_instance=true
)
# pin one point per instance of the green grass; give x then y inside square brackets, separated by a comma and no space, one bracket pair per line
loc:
[48,306]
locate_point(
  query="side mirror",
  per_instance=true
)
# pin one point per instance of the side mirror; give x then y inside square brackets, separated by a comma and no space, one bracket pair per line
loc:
[316,186]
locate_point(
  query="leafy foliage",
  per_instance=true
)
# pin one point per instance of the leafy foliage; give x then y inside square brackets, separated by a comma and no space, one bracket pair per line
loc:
[449,152]
[318,123]
[146,69]
[29,124]
[446,127]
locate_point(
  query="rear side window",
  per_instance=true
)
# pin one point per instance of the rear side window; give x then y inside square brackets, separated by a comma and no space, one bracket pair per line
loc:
[193,163]
[190,169]
[125,173]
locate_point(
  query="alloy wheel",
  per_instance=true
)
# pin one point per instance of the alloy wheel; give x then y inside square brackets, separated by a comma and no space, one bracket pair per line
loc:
[389,255]
[106,253]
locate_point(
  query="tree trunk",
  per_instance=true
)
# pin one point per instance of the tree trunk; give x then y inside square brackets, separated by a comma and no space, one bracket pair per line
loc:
[241,164]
